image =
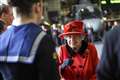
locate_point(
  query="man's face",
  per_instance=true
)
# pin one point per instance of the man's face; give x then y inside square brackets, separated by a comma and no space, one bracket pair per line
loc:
[74,41]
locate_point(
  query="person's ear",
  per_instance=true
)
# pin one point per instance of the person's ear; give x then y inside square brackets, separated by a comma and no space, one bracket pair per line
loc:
[37,7]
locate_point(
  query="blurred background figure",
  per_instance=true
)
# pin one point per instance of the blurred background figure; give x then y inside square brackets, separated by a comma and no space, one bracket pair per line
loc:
[6,15]
[46,26]
[108,26]
[115,24]
[90,33]
[55,33]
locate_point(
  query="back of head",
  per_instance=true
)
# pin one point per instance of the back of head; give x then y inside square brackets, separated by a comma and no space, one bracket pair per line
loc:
[24,7]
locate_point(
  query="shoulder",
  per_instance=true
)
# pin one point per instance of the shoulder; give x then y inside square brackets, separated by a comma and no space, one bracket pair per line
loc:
[92,49]
[113,33]
[47,44]
[46,38]
[7,32]
[46,47]
[112,37]
[91,45]
[61,49]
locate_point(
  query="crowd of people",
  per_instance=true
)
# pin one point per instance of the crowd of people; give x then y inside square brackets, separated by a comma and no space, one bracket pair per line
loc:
[28,47]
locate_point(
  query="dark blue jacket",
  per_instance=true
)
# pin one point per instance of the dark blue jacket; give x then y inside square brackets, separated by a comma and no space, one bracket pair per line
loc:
[109,66]
[27,52]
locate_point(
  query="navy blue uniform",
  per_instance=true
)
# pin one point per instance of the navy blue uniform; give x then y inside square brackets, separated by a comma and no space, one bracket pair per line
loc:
[109,66]
[26,54]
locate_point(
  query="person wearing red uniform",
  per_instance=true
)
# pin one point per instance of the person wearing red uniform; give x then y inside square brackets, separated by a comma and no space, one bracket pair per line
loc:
[77,58]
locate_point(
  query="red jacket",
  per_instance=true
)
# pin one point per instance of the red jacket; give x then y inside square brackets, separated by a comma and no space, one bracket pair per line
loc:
[83,67]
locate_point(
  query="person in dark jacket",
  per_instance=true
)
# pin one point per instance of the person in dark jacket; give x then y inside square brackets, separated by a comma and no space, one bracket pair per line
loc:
[109,66]
[26,51]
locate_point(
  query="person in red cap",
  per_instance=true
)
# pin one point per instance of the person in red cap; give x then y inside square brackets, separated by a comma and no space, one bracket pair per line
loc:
[77,58]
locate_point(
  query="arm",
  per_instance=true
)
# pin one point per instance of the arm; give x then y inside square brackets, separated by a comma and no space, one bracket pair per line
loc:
[59,60]
[46,63]
[95,61]
[64,63]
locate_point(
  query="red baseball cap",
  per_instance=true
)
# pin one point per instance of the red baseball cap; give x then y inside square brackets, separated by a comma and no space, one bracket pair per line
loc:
[73,27]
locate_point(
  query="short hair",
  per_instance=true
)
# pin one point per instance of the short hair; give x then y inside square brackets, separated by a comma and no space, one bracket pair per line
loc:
[23,6]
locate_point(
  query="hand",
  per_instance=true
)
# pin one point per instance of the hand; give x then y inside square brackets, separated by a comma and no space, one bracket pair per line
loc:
[67,62]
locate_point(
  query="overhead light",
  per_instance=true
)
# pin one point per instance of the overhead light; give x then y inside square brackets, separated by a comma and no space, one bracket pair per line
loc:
[82,9]
[115,1]
[103,2]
